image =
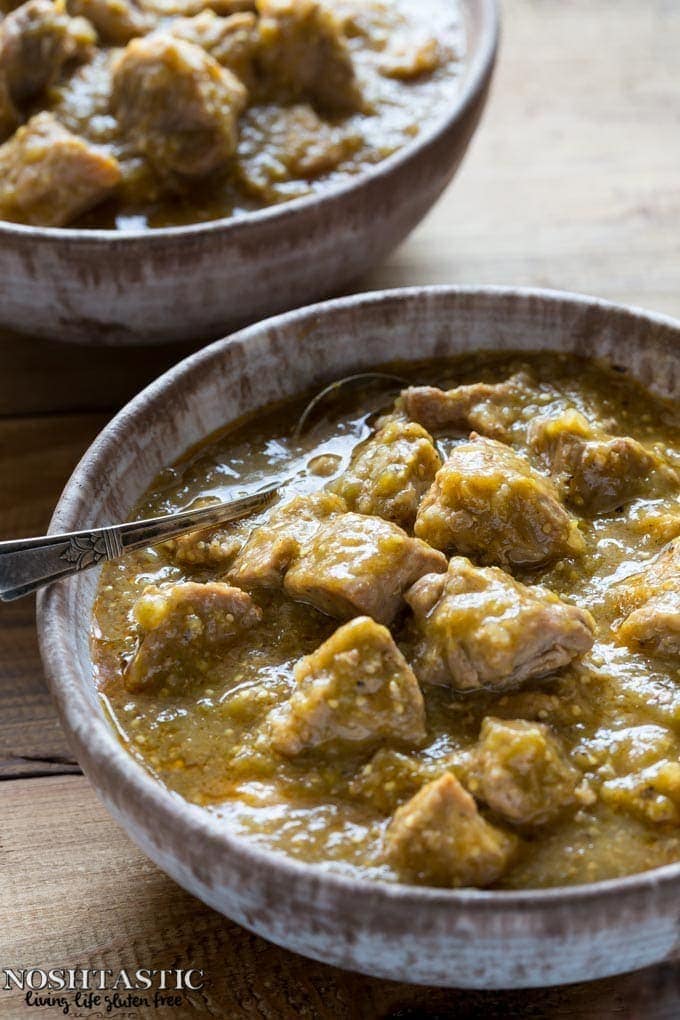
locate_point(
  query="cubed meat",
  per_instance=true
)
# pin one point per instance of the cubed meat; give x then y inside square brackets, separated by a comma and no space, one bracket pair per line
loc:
[521,771]
[390,778]
[116,21]
[49,176]
[390,473]
[595,472]
[274,545]
[300,144]
[479,628]
[303,54]
[487,502]
[177,105]
[231,41]
[355,690]
[488,408]
[652,795]
[407,58]
[651,600]
[439,838]
[355,565]
[37,41]
[183,628]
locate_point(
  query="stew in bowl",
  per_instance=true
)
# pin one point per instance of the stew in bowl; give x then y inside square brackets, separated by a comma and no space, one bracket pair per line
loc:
[448,655]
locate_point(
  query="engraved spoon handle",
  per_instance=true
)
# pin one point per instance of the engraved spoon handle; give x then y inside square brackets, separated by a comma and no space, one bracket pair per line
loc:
[30,563]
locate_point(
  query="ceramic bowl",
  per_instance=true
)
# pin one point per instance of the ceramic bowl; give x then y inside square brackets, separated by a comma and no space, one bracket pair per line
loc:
[465,938]
[200,281]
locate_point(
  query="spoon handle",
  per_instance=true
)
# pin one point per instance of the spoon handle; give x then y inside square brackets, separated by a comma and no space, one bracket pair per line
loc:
[31,563]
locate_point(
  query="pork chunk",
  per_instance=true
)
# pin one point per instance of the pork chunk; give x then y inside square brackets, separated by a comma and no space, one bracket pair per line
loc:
[355,565]
[651,601]
[273,546]
[37,40]
[488,408]
[595,472]
[488,503]
[355,690]
[49,176]
[439,838]
[231,41]
[521,771]
[390,473]
[652,795]
[301,145]
[182,628]
[177,105]
[479,628]
[304,55]
[116,21]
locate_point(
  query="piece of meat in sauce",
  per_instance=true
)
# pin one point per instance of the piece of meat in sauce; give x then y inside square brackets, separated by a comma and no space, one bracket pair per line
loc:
[116,21]
[439,838]
[355,565]
[272,547]
[487,408]
[651,600]
[303,55]
[37,41]
[521,771]
[595,472]
[49,176]
[183,627]
[407,58]
[177,105]
[355,690]
[652,795]
[299,144]
[480,628]
[390,473]
[488,503]
[231,41]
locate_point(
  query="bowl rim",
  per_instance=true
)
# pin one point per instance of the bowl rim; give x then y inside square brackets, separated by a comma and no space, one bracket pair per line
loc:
[478,67]
[139,786]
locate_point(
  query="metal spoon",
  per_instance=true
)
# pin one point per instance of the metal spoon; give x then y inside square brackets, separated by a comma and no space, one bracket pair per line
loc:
[27,564]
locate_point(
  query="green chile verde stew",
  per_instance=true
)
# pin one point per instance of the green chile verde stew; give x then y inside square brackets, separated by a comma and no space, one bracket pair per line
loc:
[152,113]
[448,654]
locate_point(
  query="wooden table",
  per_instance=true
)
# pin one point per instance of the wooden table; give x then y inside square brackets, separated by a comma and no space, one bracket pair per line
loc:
[572,182]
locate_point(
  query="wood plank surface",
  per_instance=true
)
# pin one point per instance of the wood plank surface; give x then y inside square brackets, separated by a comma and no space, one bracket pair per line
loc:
[571,182]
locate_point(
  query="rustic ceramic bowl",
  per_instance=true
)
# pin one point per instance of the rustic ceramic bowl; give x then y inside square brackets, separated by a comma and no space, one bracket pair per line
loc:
[460,938]
[200,281]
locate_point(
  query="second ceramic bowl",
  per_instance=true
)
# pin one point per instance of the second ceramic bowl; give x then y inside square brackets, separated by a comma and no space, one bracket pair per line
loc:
[200,281]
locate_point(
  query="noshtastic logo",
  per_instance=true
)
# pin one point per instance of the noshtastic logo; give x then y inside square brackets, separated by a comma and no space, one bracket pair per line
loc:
[86,988]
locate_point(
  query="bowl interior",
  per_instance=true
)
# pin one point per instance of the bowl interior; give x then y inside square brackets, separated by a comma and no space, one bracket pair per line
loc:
[305,349]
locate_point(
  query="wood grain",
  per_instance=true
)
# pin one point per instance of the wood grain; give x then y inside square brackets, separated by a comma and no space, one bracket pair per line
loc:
[572,182]
[36,457]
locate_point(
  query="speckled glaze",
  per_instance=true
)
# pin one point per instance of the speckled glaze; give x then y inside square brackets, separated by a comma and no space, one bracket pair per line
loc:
[465,938]
[200,281]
